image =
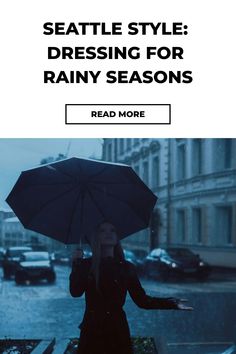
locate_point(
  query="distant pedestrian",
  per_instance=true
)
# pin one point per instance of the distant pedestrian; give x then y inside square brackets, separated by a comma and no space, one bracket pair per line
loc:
[105,279]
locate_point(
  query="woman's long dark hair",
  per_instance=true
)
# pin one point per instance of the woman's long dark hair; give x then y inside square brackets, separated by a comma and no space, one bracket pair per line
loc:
[96,251]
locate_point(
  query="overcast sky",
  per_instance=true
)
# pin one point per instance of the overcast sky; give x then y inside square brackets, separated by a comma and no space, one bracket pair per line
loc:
[17,155]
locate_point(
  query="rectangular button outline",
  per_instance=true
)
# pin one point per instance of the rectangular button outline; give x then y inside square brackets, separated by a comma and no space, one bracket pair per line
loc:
[118,104]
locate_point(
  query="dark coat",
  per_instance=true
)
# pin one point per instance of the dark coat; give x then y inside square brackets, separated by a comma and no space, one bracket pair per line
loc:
[104,328]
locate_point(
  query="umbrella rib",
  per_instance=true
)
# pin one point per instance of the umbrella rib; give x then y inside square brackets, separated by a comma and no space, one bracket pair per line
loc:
[47,184]
[82,210]
[117,198]
[71,219]
[51,201]
[80,167]
[139,183]
[56,168]
[99,173]
[66,174]
[113,183]
[95,202]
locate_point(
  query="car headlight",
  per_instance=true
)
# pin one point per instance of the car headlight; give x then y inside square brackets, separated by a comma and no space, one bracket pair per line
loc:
[201,264]
[173,265]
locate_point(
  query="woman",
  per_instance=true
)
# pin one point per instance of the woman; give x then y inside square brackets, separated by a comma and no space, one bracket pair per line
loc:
[105,278]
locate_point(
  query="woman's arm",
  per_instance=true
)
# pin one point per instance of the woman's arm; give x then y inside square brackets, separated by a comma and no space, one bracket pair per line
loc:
[78,276]
[145,301]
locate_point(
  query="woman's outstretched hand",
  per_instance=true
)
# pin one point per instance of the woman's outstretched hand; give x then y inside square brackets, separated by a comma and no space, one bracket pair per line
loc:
[181,305]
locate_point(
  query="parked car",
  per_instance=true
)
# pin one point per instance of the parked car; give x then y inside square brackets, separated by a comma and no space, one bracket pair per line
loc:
[140,254]
[11,259]
[130,256]
[138,258]
[165,263]
[61,257]
[35,266]
[2,254]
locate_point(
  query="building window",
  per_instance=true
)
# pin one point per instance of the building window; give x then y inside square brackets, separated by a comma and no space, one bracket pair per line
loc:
[136,169]
[145,172]
[224,225]
[197,225]
[128,144]
[197,158]
[181,232]
[109,152]
[121,146]
[223,154]
[155,172]
[181,162]
[136,141]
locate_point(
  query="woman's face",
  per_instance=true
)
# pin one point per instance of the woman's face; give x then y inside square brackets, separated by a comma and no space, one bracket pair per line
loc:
[107,234]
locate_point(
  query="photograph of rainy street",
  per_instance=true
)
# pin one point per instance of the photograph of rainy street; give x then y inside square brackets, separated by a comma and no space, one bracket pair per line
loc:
[171,204]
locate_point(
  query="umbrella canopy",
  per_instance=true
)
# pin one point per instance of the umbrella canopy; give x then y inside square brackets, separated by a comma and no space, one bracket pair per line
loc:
[67,200]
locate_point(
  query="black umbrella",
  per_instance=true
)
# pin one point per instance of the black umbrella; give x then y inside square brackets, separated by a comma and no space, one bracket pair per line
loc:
[67,200]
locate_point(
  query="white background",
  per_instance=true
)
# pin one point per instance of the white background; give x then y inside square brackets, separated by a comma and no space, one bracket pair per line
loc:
[205,108]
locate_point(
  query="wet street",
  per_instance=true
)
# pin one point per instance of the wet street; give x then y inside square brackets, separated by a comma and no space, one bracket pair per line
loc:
[42,311]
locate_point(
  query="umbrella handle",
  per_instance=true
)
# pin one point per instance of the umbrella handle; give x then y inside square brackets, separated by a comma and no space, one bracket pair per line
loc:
[80,247]
[78,254]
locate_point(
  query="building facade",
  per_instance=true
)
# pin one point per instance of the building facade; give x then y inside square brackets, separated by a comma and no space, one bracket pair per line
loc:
[195,181]
[4,214]
[13,233]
